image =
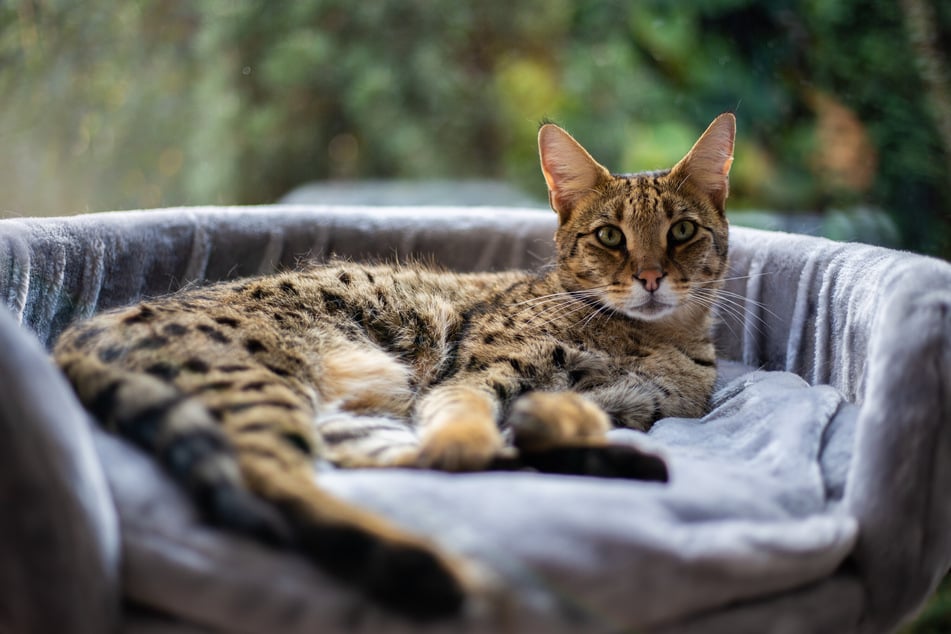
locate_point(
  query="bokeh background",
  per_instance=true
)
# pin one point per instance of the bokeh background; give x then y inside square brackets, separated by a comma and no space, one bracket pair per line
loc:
[844,107]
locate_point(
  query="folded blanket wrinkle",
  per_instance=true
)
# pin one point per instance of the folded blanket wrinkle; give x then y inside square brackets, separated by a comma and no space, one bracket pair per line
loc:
[809,499]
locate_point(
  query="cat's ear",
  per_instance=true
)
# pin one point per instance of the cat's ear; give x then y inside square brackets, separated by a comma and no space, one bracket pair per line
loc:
[569,170]
[707,165]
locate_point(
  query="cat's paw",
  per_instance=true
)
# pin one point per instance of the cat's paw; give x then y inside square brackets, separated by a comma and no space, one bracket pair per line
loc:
[608,461]
[545,420]
[460,447]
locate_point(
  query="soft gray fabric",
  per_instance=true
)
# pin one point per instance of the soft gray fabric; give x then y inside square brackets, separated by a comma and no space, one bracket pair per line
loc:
[789,509]
[743,516]
[58,527]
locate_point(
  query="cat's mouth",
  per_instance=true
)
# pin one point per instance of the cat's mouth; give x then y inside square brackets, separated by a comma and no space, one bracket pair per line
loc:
[649,308]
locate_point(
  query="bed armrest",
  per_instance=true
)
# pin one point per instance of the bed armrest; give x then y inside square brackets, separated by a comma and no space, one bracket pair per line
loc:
[876,324]
[59,542]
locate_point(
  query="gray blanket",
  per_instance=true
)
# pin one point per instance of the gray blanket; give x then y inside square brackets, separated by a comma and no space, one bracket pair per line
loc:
[806,501]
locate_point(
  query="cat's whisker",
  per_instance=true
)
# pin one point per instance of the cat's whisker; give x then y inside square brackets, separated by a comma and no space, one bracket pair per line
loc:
[746,301]
[736,278]
[551,296]
[569,311]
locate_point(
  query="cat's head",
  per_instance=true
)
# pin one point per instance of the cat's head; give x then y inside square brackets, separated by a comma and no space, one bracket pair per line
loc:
[649,244]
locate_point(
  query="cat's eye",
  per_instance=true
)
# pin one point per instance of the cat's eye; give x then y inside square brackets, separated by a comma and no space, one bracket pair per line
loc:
[610,236]
[683,231]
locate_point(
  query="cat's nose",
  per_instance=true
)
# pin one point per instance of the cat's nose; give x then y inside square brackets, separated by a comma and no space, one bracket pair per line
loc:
[650,278]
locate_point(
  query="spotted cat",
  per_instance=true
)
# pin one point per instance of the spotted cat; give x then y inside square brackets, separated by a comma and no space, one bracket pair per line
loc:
[237,388]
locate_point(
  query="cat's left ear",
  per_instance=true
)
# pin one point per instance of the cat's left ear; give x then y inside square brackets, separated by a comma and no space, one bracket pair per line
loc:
[569,170]
[707,165]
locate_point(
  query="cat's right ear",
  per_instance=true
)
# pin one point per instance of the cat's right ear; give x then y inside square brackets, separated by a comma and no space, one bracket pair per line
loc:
[569,170]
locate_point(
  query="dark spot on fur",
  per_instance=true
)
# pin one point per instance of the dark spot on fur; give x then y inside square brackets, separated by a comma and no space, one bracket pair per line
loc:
[143,426]
[214,386]
[260,293]
[277,370]
[706,363]
[332,301]
[151,343]
[476,365]
[174,330]
[256,428]
[86,336]
[298,441]
[576,376]
[104,401]
[344,278]
[163,370]
[501,392]
[370,277]
[185,452]
[213,333]
[254,346]
[288,288]
[233,408]
[110,354]
[227,321]
[144,315]
[558,357]
[255,386]
[196,365]
[488,339]
[230,369]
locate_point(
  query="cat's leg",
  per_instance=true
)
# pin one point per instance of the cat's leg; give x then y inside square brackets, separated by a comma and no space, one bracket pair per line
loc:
[565,432]
[458,427]
[545,420]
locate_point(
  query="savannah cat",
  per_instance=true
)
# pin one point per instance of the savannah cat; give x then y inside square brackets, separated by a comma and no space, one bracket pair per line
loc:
[237,388]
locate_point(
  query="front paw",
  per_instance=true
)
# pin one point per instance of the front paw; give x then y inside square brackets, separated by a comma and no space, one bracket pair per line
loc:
[609,461]
[461,447]
[545,420]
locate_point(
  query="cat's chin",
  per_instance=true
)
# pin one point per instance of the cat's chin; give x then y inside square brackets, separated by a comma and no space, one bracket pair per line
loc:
[650,310]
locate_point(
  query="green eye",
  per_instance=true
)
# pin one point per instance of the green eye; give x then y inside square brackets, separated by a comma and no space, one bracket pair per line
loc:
[609,236]
[683,231]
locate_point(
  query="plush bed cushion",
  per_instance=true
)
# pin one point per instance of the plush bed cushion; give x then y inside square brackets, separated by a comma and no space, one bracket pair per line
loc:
[792,500]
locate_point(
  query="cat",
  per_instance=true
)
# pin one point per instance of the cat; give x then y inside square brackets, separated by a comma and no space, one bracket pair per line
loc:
[238,387]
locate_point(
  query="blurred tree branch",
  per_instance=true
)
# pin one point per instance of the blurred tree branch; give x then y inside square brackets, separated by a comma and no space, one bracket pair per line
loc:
[920,23]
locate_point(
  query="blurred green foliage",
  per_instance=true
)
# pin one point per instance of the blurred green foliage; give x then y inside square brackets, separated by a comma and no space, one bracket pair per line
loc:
[142,104]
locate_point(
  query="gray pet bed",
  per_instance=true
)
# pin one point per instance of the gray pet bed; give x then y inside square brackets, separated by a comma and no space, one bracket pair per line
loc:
[808,500]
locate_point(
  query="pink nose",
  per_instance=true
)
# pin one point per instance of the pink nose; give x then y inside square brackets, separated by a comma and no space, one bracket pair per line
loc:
[650,278]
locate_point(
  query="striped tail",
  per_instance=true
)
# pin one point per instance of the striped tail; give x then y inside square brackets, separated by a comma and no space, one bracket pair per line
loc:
[182,434]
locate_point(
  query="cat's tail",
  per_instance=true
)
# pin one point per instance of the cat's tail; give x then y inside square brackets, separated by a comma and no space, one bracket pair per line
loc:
[182,434]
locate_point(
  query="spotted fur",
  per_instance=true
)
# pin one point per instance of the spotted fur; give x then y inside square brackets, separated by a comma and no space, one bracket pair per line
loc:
[239,387]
